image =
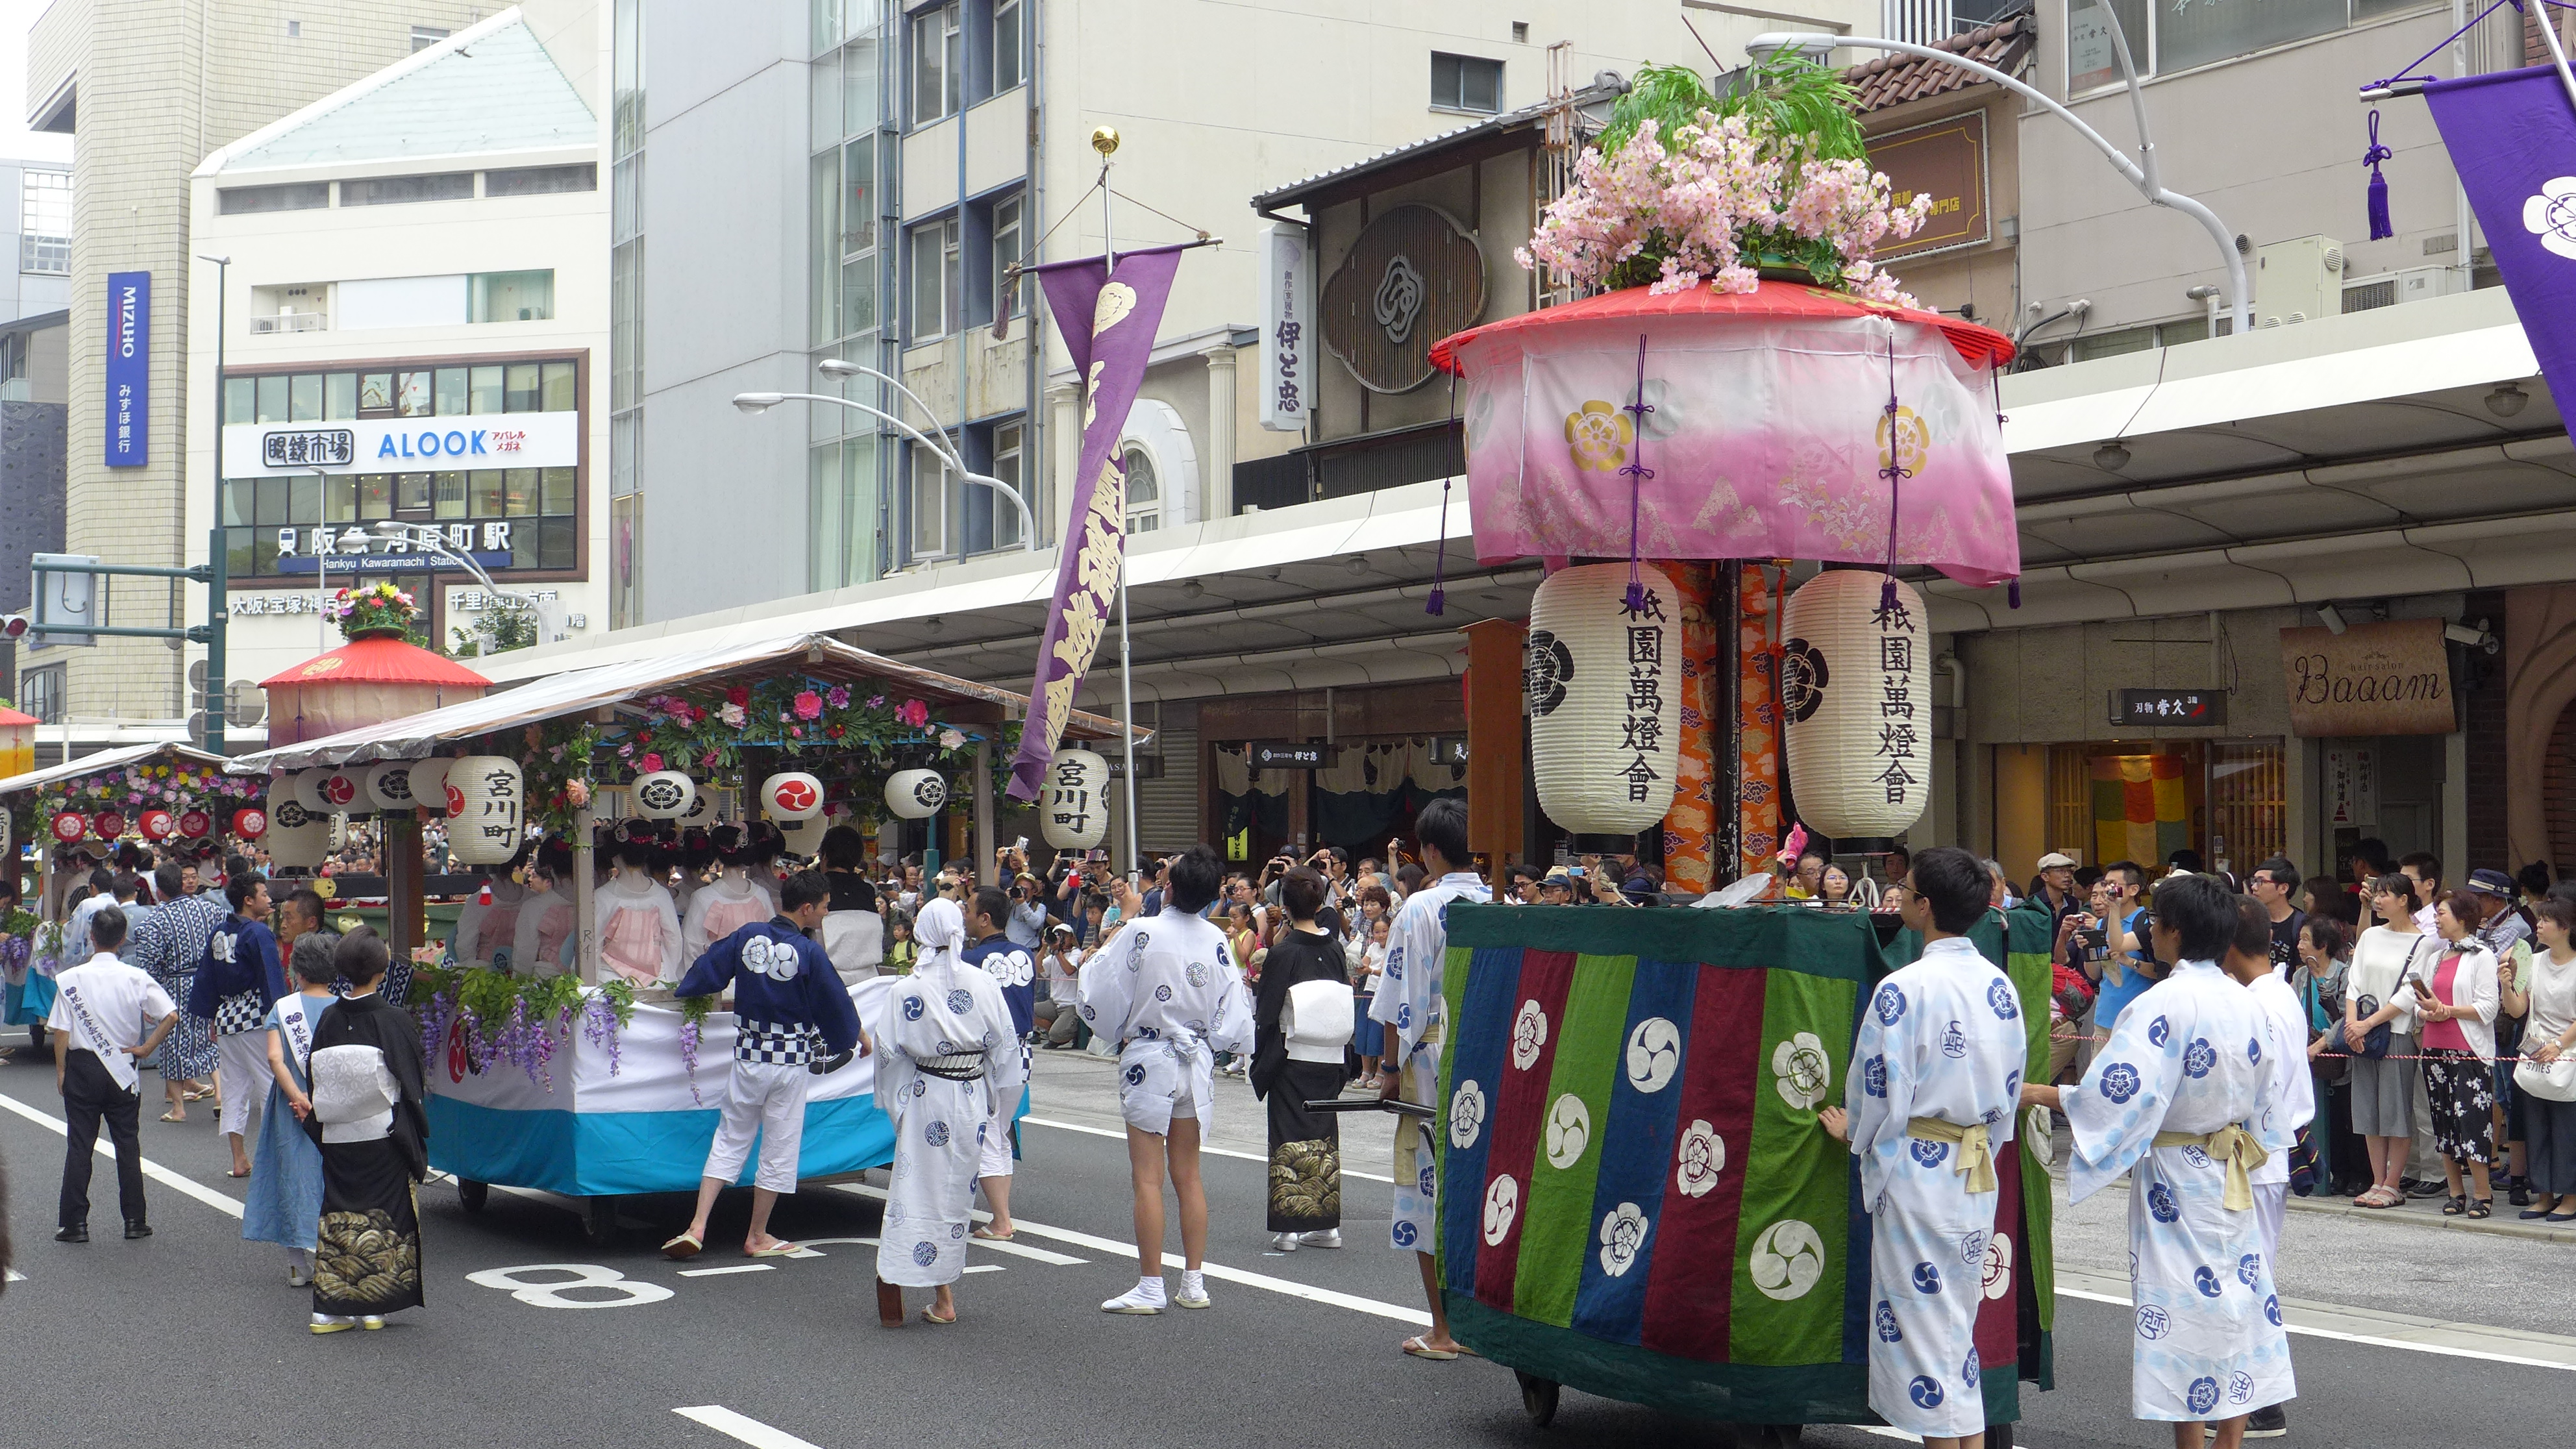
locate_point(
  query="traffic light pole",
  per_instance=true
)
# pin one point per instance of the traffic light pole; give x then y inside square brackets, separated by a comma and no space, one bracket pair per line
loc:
[211,633]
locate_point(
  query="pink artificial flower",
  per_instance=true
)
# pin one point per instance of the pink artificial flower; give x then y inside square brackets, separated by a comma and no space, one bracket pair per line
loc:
[912,712]
[809,705]
[839,697]
[876,701]
[734,715]
[651,762]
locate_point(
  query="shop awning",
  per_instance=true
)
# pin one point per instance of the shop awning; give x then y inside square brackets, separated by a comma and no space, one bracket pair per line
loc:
[813,656]
[106,760]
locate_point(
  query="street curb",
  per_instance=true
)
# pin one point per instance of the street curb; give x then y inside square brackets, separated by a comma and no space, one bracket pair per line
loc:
[2343,1208]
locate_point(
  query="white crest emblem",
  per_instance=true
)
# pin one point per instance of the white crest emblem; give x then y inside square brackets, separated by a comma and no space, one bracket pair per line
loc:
[771,958]
[1502,1204]
[2551,216]
[1803,1069]
[1703,1157]
[1569,1131]
[1466,1115]
[1654,1054]
[1786,1260]
[1529,1033]
[1623,1232]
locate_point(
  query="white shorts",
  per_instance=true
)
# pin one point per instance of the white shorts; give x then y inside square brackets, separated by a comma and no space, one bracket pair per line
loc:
[243,1059]
[765,1100]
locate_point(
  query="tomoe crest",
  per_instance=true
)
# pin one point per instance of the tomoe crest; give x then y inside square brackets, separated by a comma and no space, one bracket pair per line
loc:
[1547,666]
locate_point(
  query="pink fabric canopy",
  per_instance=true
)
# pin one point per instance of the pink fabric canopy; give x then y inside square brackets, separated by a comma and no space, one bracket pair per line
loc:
[1767,433]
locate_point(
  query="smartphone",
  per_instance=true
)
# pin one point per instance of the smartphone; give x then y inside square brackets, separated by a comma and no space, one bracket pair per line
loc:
[1575,871]
[1020,844]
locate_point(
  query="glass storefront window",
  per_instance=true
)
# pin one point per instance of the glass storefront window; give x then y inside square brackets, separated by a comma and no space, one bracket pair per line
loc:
[559,483]
[560,394]
[303,498]
[375,392]
[272,399]
[412,395]
[411,493]
[520,394]
[451,495]
[339,397]
[519,491]
[340,499]
[270,507]
[241,399]
[304,398]
[484,393]
[239,500]
[375,495]
[487,495]
[451,392]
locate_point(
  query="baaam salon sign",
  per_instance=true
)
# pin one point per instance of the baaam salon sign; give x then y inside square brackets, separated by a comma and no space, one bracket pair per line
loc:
[2389,678]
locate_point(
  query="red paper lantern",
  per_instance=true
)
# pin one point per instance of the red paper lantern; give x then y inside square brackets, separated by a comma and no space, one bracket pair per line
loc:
[156,824]
[250,822]
[195,823]
[109,825]
[70,825]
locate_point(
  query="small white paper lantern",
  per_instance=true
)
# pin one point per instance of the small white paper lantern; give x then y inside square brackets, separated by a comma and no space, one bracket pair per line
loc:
[297,836]
[305,787]
[1073,811]
[1602,686]
[915,794]
[804,837]
[427,781]
[389,785]
[1856,700]
[344,788]
[790,796]
[486,816]
[664,795]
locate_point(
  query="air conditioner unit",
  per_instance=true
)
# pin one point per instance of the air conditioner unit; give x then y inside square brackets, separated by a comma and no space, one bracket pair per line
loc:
[2297,280]
[2407,284]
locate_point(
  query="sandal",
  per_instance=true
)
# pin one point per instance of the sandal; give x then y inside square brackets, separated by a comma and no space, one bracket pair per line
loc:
[2457,1204]
[172,1117]
[2483,1207]
[2379,1197]
[683,1247]
[1420,1347]
[930,1314]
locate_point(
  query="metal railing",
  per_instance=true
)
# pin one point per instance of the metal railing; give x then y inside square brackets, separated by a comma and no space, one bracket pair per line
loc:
[290,322]
[1923,22]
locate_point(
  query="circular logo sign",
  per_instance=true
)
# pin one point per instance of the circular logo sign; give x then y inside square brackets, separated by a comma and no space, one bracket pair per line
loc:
[1802,680]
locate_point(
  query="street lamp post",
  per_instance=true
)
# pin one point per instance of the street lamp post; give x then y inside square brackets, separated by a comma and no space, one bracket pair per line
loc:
[218,692]
[759,402]
[425,538]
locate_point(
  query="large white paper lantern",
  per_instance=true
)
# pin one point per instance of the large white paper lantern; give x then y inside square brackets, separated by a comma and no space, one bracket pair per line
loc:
[664,795]
[915,794]
[305,787]
[486,815]
[427,782]
[1603,686]
[389,786]
[1073,811]
[790,796]
[297,836]
[1856,698]
[343,788]
[804,837]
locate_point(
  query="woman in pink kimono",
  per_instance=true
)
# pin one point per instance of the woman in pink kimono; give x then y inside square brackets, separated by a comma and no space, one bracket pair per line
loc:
[546,916]
[639,927]
[729,902]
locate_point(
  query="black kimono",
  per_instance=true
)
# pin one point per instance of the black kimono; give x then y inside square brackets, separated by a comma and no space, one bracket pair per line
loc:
[370,1116]
[1305,1146]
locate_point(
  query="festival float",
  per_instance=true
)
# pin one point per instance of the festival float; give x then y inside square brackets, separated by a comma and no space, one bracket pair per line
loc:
[1637,1199]
[593,1082]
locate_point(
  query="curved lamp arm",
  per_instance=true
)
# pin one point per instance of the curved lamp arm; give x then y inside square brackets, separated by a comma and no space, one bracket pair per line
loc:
[423,538]
[2240,305]
[754,402]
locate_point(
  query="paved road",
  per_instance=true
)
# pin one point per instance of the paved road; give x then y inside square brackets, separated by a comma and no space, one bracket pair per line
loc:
[194,1337]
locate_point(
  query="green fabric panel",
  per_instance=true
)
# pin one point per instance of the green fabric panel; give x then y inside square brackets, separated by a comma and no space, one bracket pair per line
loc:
[2172,835]
[2110,801]
[2027,963]
[1454,966]
[1801,938]
[1738,1393]
[1792,1170]
[1556,1212]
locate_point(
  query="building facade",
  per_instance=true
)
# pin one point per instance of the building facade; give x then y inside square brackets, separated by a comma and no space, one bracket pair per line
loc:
[36,204]
[414,331]
[146,90]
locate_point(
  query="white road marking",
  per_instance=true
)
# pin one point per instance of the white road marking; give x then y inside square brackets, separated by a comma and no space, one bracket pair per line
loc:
[721,1272]
[986,1268]
[16,1277]
[1023,1250]
[2345,1325]
[749,1430]
[1352,1301]
[1121,1135]
[107,1149]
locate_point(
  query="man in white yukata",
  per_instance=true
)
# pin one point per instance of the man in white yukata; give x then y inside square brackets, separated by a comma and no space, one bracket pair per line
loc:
[1168,992]
[794,1021]
[1931,1100]
[944,1057]
[2287,1091]
[1415,1015]
[2178,1095]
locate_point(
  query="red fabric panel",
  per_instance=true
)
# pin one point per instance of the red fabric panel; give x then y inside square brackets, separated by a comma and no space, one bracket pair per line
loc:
[1519,1108]
[1690,1297]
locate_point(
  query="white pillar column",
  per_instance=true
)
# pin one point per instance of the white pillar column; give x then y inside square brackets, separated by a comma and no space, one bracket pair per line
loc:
[1064,433]
[1216,479]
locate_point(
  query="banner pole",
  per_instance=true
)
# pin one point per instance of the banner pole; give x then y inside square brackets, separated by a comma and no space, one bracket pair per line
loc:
[1126,663]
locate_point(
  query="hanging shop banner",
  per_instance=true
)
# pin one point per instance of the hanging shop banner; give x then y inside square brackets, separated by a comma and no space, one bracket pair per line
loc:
[2352,787]
[2140,707]
[1287,328]
[1107,321]
[2387,678]
[129,369]
[405,445]
[2512,138]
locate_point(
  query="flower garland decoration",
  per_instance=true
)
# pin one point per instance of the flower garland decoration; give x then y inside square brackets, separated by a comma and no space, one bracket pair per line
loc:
[554,768]
[371,607]
[1685,189]
[146,786]
[519,1020]
[704,733]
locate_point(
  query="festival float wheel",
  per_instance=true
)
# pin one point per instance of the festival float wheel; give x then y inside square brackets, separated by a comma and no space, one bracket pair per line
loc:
[472,1195]
[1538,1398]
[599,1220]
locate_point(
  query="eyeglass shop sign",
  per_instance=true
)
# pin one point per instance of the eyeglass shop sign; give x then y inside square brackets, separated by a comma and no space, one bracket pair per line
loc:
[405,445]
[129,369]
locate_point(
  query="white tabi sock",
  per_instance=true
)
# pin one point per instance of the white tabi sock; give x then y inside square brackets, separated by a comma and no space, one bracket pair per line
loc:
[1193,1290]
[1145,1297]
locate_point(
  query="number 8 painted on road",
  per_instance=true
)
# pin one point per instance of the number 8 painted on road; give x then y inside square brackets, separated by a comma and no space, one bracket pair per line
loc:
[586,1275]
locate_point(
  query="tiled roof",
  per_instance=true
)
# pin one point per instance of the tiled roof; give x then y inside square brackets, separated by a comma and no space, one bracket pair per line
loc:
[1892,80]
[487,89]
[1596,96]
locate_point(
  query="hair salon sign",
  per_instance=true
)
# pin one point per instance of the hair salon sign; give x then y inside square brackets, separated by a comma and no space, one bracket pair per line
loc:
[2389,678]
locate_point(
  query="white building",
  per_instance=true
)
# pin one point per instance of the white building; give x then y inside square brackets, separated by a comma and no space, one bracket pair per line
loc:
[414,322]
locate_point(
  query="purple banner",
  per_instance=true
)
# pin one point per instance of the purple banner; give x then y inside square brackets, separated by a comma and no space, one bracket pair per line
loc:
[2512,138]
[1108,323]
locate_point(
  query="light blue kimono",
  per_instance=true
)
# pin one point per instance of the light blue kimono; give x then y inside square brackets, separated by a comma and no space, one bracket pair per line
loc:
[285,1198]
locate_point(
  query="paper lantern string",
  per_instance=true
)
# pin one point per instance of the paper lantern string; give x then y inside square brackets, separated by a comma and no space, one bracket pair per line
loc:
[1637,473]
[1895,472]
[2379,224]
[1439,600]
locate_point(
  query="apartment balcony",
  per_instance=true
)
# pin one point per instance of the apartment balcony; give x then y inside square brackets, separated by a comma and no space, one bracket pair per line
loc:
[290,322]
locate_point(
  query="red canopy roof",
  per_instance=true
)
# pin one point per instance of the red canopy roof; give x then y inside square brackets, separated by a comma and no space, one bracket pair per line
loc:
[377,661]
[10,716]
[1982,346]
